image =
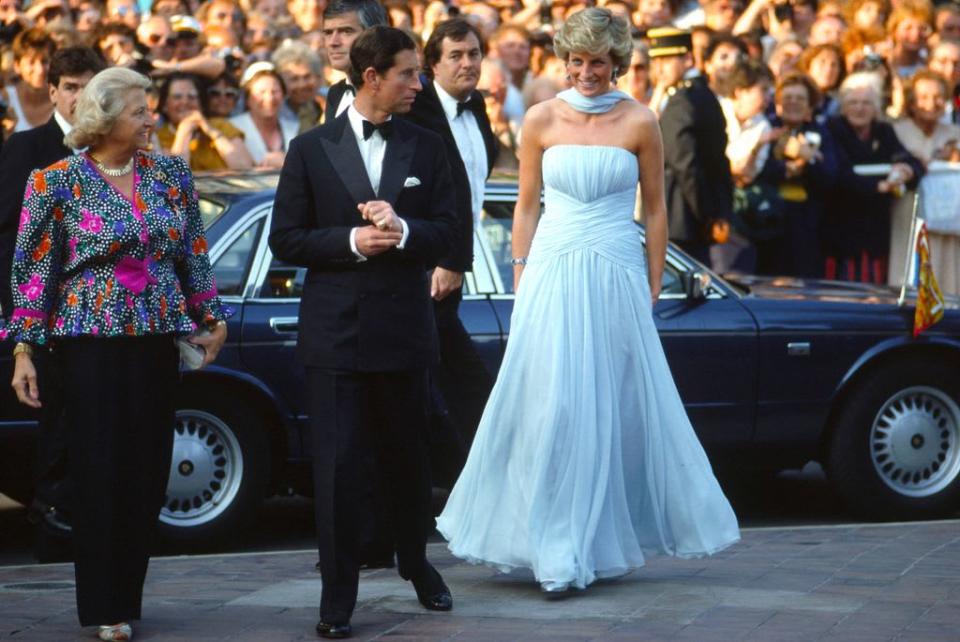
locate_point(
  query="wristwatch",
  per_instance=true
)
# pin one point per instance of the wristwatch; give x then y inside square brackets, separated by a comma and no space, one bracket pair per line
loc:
[22,348]
[520,260]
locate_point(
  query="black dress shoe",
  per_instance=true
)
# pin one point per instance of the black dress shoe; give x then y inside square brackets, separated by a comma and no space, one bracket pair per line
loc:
[431,590]
[334,631]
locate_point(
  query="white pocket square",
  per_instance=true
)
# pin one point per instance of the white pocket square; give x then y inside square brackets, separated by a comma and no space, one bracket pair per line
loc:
[412,181]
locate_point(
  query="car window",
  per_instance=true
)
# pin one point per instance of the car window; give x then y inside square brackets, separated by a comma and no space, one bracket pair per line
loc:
[232,267]
[283,281]
[210,211]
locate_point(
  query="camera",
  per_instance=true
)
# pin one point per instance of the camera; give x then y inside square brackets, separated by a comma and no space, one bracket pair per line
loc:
[783,11]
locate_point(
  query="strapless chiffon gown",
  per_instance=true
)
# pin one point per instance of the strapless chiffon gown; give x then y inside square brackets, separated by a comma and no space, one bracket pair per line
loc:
[585,461]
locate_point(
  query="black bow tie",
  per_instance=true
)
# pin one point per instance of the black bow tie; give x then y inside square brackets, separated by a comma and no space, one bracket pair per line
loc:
[385,128]
[474,103]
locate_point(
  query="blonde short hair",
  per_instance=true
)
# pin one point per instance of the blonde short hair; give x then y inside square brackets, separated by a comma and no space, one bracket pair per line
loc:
[595,31]
[101,103]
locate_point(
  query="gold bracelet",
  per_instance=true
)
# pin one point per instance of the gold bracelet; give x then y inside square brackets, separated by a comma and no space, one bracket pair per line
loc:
[22,348]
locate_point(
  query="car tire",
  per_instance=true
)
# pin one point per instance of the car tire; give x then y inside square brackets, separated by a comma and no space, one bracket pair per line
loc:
[219,469]
[895,451]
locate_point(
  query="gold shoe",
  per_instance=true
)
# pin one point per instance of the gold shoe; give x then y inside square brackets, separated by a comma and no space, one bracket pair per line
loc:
[116,632]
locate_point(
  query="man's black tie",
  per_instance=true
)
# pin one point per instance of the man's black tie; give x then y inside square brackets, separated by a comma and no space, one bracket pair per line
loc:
[474,103]
[385,128]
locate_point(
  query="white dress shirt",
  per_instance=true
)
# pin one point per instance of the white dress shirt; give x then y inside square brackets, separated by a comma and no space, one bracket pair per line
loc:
[473,151]
[65,127]
[372,151]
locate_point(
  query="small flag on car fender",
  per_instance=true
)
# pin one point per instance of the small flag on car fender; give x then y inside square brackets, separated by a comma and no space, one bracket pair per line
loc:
[929,297]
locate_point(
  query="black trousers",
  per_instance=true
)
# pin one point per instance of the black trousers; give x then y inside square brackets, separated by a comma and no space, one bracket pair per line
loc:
[352,414]
[52,486]
[118,405]
[463,384]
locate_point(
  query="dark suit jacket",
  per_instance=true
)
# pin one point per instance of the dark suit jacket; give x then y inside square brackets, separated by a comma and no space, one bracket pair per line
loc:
[21,154]
[374,315]
[334,94]
[697,178]
[428,113]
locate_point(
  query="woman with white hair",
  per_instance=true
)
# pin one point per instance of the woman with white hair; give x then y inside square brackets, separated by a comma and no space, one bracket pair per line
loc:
[110,267]
[585,461]
[266,130]
[857,224]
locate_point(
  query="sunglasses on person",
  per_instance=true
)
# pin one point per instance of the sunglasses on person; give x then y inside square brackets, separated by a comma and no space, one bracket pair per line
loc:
[187,96]
[229,92]
[155,39]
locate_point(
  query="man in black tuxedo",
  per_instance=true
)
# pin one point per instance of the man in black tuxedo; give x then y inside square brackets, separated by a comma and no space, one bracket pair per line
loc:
[699,187]
[451,106]
[343,22]
[366,203]
[70,70]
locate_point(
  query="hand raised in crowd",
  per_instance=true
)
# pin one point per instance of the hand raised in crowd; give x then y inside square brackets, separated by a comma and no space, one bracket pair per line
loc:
[950,152]
[193,121]
[25,381]
[900,174]
[272,160]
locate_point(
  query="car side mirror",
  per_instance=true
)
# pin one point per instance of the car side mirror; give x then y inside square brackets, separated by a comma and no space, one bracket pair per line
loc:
[695,284]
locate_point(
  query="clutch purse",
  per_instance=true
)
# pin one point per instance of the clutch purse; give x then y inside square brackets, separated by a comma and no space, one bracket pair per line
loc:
[191,354]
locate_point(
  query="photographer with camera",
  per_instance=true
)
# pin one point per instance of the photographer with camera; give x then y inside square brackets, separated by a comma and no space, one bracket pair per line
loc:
[803,167]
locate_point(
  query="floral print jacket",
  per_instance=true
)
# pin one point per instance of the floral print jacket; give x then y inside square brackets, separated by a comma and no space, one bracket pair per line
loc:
[89,261]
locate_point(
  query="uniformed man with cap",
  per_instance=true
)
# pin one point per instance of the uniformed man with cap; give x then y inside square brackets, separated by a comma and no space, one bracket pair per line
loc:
[698,185]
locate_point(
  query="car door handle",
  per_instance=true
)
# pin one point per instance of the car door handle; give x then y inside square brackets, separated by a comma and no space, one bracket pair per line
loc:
[284,325]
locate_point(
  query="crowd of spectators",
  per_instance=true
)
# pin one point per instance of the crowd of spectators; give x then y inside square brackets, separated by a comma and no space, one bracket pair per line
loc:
[808,88]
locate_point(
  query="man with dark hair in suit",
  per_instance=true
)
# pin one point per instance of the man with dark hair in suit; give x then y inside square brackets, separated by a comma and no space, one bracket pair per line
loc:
[698,184]
[451,106]
[70,70]
[343,22]
[366,203]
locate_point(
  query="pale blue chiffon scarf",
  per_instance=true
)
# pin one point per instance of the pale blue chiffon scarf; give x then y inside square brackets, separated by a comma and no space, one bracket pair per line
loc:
[593,104]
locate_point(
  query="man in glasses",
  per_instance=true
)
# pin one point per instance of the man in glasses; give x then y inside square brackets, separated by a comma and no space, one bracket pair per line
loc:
[185,53]
[70,71]
[156,37]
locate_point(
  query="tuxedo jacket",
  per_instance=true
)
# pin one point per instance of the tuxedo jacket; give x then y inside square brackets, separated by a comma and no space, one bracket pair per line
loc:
[374,315]
[24,152]
[697,179]
[428,112]
[334,94]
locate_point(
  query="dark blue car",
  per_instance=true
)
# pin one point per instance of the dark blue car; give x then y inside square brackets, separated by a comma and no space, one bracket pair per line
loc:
[773,372]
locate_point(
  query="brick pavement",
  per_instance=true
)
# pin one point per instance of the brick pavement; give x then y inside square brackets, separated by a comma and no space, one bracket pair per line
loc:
[862,582]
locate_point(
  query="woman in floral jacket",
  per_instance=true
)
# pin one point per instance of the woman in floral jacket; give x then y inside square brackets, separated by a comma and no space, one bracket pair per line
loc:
[110,267]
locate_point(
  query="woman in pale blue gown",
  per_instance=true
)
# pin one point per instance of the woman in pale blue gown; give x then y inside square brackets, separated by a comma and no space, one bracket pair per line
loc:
[585,461]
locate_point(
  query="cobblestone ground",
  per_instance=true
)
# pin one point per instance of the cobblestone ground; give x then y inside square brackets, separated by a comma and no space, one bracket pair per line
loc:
[863,582]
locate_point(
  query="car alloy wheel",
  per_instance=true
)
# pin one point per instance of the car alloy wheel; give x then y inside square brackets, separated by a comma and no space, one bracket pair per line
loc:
[206,470]
[915,441]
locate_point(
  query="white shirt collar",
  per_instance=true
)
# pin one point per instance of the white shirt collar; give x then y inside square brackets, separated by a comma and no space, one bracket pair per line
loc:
[448,102]
[356,121]
[65,127]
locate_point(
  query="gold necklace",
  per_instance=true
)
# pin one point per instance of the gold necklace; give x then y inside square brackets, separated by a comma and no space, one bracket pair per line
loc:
[111,171]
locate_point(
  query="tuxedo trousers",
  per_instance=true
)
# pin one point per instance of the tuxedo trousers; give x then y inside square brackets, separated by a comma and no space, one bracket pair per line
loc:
[354,415]
[118,410]
[463,383]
